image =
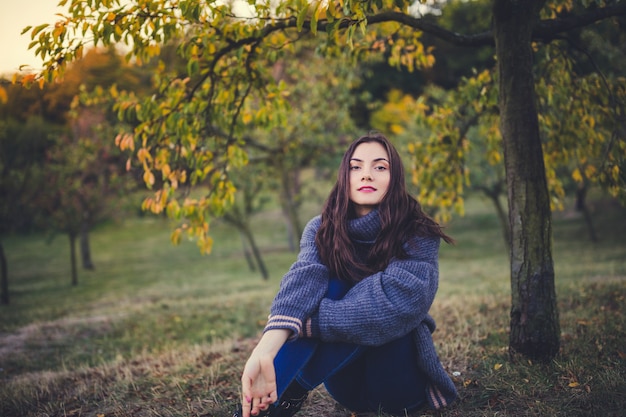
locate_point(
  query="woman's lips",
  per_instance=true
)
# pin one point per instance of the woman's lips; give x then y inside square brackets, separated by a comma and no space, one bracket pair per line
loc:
[367,189]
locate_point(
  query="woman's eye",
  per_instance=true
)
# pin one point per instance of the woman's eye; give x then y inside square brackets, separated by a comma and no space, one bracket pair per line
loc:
[354,167]
[380,168]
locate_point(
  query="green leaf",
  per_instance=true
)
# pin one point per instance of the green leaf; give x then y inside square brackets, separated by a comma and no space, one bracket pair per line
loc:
[38,29]
[193,66]
[301,17]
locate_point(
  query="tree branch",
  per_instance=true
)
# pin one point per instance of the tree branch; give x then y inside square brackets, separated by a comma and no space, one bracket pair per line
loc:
[546,30]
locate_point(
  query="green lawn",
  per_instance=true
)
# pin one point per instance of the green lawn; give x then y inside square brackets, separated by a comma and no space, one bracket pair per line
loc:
[158,330]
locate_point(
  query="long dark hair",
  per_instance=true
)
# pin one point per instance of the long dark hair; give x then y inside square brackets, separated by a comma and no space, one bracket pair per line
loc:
[401,218]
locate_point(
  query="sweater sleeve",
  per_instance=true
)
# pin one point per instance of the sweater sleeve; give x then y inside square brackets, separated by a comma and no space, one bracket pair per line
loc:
[302,287]
[383,306]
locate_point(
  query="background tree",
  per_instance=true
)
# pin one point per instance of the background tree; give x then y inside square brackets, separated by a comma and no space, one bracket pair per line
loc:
[102,173]
[221,53]
[22,153]
[250,198]
[317,130]
[27,130]
[84,175]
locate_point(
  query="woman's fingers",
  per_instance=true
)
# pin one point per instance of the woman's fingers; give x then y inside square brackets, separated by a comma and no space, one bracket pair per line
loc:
[270,399]
[246,404]
[246,397]
[255,406]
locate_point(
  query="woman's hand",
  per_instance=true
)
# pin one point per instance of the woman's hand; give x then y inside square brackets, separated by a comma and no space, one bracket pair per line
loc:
[258,384]
[258,380]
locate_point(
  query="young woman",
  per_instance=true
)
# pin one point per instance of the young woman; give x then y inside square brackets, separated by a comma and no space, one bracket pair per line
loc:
[352,311]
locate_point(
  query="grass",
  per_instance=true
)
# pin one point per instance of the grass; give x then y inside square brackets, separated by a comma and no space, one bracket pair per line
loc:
[158,330]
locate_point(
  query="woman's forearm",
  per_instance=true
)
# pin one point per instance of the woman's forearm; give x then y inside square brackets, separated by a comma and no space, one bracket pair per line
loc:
[271,341]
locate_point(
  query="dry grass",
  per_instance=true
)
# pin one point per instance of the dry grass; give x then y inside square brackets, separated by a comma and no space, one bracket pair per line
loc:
[174,344]
[588,378]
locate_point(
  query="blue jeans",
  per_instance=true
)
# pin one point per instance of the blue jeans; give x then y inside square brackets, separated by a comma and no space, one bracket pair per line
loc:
[360,378]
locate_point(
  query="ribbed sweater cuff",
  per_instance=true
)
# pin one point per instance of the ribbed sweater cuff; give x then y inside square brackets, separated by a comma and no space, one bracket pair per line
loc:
[285,322]
[311,327]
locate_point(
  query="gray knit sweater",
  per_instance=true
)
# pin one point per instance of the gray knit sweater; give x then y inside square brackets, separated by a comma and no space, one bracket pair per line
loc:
[378,309]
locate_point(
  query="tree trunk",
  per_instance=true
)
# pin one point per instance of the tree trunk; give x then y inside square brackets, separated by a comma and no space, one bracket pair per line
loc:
[535,331]
[289,207]
[85,248]
[4,277]
[255,251]
[581,205]
[73,258]
[246,252]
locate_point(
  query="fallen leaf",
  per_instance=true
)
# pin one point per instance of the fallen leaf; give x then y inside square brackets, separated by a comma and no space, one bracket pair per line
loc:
[497,366]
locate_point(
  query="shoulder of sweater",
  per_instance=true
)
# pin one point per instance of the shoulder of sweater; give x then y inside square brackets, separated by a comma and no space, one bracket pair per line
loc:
[314,223]
[420,243]
[310,230]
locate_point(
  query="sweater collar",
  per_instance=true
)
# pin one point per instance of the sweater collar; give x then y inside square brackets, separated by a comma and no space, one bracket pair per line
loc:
[366,228]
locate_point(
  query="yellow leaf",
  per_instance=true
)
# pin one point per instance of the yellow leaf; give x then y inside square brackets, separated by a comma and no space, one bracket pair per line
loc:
[166,170]
[497,366]
[143,155]
[590,171]
[591,121]
[396,128]
[573,384]
[615,172]
[148,178]
[176,236]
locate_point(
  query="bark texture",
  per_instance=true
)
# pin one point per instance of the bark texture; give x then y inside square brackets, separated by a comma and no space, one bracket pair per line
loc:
[535,330]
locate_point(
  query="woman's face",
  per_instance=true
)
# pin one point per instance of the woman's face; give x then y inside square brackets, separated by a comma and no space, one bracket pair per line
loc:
[369,176]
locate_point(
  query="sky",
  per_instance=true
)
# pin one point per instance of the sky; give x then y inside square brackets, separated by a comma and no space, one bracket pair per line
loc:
[15,15]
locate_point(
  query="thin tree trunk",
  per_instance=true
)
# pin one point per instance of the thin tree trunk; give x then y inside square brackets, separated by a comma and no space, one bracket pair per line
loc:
[4,277]
[85,247]
[246,252]
[290,210]
[291,238]
[534,322]
[581,205]
[73,258]
[255,251]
